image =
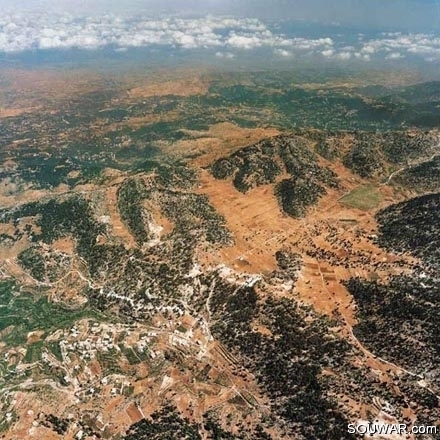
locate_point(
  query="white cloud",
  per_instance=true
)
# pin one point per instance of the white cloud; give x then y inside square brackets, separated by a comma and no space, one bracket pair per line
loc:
[328,53]
[226,55]
[362,56]
[345,55]
[283,53]
[394,56]
[368,49]
[397,45]
[44,31]
[243,41]
[224,35]
[300,43]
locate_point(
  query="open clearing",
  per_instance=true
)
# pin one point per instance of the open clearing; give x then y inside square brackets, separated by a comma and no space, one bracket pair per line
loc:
[363,197]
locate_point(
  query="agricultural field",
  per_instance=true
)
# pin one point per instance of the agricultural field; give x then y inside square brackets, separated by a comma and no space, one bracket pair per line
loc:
[364,198]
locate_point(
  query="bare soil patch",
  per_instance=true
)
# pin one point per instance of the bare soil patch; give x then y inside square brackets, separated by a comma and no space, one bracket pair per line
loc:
[220,140]
[180,83]
[64,244]
[118,227]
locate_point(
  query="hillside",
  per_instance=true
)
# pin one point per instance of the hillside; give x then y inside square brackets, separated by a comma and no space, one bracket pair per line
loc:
[217,281]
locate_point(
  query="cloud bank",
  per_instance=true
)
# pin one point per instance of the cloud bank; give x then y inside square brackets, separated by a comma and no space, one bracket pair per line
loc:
[402,15]
[225,36]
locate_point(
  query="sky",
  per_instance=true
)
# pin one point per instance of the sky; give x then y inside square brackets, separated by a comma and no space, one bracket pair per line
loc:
[409,15]
[363,30]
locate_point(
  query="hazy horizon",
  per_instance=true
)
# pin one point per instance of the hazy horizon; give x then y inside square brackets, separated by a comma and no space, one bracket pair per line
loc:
[405,15]
[399,33]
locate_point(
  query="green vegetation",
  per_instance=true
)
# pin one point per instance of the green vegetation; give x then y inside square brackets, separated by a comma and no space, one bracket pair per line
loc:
[55,349]
[288,361]
[164,424]
[295,195]
[57,218]
[32,261]
[57,168]
[398,321]
[375,154]
[60,426]
[21,313]
[293,382]
[109,362]
[422,177]
[192,212]
[75,154]
[262,162]
[47,266]
[169,174]
[130,196]
[327,149]
[5,423]
[364,158]
[72,216]
[413,226]
[133,356]
[369,155]
[365,198]
[33,352]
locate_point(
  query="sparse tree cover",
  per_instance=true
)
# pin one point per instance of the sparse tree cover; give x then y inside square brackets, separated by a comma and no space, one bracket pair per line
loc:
[72,217]
[130,196]
[166,424]
[296,194]
[44,266]
[33,261]
[398,320]
[413,226]
[287,363]
[369,155]
[403,312]
[374,154]
[289,264]
[422,177]
[263,162]
[60,426]
[157,313]
[364,158]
